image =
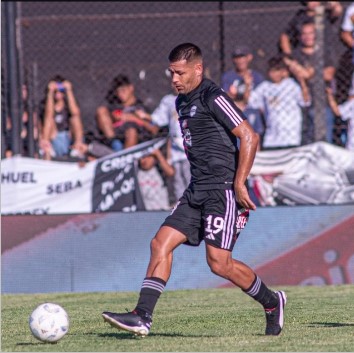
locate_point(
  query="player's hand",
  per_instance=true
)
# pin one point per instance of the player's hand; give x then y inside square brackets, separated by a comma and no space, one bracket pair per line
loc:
[243,198]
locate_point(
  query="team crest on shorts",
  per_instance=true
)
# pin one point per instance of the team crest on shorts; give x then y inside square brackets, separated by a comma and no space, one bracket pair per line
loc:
[242,219]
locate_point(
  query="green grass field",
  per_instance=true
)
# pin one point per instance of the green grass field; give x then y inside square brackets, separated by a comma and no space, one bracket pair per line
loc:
[226,320]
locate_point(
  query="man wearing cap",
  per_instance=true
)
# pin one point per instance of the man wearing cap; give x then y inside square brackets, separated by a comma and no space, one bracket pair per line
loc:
[240,81]
[234,81]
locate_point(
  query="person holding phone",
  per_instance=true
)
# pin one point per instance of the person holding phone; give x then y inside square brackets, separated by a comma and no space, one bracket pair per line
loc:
[62,133]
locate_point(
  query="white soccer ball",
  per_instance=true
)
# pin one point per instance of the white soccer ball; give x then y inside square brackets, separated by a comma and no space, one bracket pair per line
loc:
[49,322]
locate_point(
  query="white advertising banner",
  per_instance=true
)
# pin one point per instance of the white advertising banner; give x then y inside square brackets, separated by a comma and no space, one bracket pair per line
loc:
[315,174]
[34,186]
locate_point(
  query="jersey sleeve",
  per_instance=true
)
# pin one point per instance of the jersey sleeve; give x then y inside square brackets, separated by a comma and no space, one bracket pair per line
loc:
[225,110]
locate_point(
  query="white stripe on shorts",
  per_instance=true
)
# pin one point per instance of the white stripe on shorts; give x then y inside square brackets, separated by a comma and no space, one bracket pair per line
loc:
[229,220]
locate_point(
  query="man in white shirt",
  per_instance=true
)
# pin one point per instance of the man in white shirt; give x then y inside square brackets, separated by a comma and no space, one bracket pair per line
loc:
[280,99]
[347,28]
[165,114]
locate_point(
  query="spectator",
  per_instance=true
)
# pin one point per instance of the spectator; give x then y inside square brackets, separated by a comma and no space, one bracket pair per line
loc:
[151,172]
[24,133]
[345,69]
[347,29]
[240,82]
[165,114]
[123,120]
[346,112]
[280,99]
[6,134]
[254,117]
[302,63]
[233,81]
[289,38]
[25,123]
[60,115]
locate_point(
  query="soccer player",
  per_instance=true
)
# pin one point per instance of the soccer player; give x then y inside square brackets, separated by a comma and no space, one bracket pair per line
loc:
[215,206]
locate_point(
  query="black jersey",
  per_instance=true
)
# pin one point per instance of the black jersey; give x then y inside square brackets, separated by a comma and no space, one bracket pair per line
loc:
[206,116]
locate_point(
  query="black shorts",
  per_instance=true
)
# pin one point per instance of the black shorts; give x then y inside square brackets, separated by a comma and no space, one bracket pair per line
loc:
[210,215]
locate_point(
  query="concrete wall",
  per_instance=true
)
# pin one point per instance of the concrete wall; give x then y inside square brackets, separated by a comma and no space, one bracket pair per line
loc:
[110,252]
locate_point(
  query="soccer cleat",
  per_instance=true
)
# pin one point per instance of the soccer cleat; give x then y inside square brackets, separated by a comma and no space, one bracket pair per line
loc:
[275,316]
[139,324]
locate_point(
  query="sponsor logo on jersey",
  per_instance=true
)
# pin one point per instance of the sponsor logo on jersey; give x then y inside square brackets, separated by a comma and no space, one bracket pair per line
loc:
[193,110]
[187,137]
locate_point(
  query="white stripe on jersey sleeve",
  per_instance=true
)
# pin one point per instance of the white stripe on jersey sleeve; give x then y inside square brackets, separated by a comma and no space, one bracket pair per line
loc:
[228,110]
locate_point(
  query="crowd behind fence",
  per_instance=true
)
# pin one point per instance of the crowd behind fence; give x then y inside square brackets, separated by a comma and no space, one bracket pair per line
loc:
[91,43]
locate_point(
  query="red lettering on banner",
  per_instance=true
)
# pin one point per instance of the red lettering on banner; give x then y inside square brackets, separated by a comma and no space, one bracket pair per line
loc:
[327,259]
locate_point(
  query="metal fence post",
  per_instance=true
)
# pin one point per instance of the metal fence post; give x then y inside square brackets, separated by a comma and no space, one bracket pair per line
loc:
[14,89]
[222,39]
[319,98]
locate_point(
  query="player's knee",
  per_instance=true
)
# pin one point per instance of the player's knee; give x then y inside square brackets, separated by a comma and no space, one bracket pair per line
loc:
[219,268]
[154,245]
[157,249]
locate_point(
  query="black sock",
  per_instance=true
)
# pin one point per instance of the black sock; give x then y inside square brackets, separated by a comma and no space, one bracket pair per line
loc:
[150,292]
[262,294]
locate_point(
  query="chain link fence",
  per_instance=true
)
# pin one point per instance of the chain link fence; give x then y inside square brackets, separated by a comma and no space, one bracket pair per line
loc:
[91,43]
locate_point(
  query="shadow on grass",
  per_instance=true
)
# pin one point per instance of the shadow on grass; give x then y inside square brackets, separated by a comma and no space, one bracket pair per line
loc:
[129,336]
[328,324]
[35,344]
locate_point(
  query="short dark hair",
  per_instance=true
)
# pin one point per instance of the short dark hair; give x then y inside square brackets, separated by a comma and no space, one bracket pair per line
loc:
[308,21]
[119,81]
[57,78]
[276,63]
[185,51]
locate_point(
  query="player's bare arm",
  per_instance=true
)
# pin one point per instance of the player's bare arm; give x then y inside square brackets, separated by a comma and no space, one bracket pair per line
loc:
[248,146]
